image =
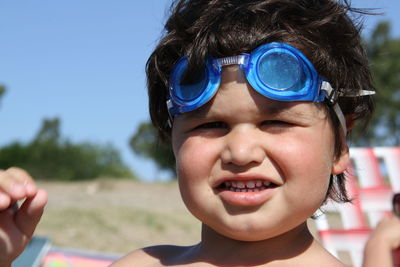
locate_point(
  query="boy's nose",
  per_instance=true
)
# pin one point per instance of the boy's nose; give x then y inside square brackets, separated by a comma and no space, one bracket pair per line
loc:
[242,147]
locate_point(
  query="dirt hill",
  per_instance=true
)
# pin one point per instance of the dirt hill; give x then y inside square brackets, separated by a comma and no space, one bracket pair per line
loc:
[116,216]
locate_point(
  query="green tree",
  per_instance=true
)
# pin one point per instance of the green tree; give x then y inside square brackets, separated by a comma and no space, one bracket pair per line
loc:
[384,53]
[145,142]
[2,91]
[384,56]
[50,156]
[49,132]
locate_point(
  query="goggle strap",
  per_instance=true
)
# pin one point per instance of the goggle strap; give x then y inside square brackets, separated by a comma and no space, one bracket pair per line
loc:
[241,60]
[332,95]
[170,119]
[339,112]
[360,93]
[169,122]
[341,118]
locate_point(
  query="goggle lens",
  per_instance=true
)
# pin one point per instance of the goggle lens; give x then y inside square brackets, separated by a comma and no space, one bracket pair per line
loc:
[279,71]
[189,87]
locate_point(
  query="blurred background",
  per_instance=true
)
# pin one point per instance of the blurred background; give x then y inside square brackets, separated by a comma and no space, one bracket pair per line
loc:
[73,71]
[73,107]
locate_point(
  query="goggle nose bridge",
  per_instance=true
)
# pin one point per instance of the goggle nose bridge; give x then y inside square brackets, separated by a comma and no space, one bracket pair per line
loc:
[242,60]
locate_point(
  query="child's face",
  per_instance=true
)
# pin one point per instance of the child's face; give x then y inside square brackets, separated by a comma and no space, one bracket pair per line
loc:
[244,138]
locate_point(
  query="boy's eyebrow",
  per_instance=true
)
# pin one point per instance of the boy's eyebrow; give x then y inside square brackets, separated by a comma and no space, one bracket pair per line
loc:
[284,108]
[197,114]
[275,108]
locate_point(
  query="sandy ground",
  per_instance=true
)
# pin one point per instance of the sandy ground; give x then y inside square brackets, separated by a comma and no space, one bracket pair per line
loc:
[116,216]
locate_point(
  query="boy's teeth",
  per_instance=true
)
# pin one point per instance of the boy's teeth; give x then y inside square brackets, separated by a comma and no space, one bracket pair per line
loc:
[248,186]
[240,185]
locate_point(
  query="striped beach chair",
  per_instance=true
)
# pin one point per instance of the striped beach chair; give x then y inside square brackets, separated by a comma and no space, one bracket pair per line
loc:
[374,178]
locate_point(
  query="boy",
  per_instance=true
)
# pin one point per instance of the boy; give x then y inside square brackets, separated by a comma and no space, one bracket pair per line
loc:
[256,98]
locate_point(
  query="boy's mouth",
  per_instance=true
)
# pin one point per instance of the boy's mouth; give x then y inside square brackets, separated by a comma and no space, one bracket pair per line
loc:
[246,186]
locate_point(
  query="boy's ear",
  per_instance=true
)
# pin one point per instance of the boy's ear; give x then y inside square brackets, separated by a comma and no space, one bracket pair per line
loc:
[342,162]
[350,122]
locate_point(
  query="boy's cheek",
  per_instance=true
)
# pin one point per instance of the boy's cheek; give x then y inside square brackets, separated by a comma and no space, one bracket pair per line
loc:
[194,154]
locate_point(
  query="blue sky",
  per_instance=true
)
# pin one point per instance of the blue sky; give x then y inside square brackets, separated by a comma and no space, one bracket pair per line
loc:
[83,61]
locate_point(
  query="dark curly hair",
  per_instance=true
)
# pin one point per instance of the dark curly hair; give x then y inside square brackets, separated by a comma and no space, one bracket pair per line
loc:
[326,31]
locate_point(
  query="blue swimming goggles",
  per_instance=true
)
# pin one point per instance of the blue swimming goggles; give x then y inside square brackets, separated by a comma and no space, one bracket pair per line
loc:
[275,70]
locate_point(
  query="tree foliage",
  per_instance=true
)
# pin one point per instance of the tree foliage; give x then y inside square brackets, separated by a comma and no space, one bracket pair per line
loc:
[145,142]
[49,156]
[2,91]
[384,54]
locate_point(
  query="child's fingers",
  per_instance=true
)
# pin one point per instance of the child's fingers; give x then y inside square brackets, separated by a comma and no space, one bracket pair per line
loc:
[9,190]
[22,177]
[30,212]
[5,201]
[17,184]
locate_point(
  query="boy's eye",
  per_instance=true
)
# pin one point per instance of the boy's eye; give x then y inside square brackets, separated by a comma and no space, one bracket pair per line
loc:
[276,123]
[212,125]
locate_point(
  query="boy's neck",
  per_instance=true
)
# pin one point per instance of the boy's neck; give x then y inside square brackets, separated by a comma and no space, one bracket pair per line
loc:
[219,249]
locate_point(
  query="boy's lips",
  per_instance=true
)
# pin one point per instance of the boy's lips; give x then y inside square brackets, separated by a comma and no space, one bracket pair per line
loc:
[246,190]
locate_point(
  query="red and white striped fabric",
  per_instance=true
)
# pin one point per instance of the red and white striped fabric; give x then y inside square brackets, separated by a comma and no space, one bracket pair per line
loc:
[372,180]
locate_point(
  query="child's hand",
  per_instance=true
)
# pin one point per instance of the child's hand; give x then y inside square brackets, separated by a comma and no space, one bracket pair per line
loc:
[382,242]
[387,232]
[17,224]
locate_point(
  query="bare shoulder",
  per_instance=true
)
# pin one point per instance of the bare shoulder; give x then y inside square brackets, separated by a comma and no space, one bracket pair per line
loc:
[331,262]
[324,259]
[318,256]
[136,258]
[153,256]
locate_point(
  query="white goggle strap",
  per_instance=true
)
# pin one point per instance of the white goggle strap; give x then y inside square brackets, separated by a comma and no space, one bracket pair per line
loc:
[332,96]
[360,93]
[170,117]
[341,118]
